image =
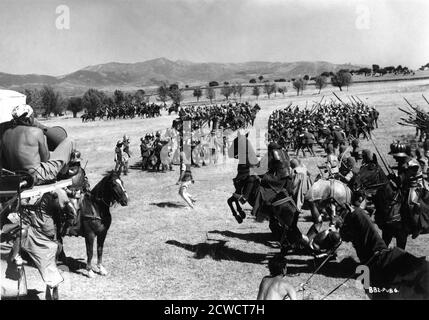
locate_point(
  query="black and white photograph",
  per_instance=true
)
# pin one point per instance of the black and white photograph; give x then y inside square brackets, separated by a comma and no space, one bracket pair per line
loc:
[226,151]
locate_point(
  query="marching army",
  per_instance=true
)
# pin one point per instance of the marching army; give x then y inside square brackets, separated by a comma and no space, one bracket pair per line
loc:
[124,111]
[323,124]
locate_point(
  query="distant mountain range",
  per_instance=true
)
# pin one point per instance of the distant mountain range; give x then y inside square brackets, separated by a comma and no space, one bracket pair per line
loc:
[110,76]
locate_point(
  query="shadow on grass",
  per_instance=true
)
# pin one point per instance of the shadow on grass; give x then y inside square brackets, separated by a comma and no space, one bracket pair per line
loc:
[332,269]
[74,265]
[219,251]
[32,294]
[264,238]
[168,204]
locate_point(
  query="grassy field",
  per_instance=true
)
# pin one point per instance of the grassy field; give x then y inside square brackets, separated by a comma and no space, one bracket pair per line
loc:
[156,249]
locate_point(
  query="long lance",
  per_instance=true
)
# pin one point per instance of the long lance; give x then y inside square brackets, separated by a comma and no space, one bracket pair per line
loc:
[425,99]
[407,125]
[317,106]
[352,102]
[338,98]
[357,102]
[330,253]
[360,100]
[408,103]
[380,155]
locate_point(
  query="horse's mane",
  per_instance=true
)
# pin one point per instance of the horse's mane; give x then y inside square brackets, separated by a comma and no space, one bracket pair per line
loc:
[100,188]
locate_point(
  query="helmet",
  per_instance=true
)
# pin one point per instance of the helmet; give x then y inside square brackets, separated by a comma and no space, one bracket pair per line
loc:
[399,150]
[75,156]
[392,147]
[294,163]
[119,142]
[355,143]
[126,137]
[367,155]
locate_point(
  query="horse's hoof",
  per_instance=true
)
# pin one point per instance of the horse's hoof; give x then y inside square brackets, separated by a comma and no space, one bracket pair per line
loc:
[90,274]
[102,271]
[239,219]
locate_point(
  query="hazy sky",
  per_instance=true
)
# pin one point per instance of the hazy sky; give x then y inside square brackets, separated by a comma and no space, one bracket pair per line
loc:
[387,32]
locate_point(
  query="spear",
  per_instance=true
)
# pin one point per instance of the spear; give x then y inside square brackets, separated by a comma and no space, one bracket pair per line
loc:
[358,99]
[338,98]
[425,99]
[357,102]
[380,155]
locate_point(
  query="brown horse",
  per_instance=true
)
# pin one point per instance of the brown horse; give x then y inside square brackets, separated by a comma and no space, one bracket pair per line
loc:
[95,218]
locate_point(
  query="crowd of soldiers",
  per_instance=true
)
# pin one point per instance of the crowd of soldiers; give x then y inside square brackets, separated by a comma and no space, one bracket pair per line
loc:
[323,124]
[159,150]
[124,111]
[225,116]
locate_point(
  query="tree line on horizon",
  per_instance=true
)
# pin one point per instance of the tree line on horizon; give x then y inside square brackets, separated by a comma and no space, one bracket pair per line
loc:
[48,101]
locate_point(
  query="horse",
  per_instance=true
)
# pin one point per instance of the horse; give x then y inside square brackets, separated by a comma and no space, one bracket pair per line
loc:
[394,273]
[267,193]
[326,193]
[95,217]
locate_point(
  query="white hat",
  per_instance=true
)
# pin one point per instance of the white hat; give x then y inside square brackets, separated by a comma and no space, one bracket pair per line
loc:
[22,110]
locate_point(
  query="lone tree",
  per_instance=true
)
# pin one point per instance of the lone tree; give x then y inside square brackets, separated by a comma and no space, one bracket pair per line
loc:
[52,100]
[269,88]
[282,90]
[176,95]
[93,99]
[300,85]
[256,92]
[341,79]
[274,89]
[163,93]
[75,105]
[197,93]
[261,78]
[252,81]
[139,96]
[321,82]
[119,96]
[226,91]
[210,94]
[240,90]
